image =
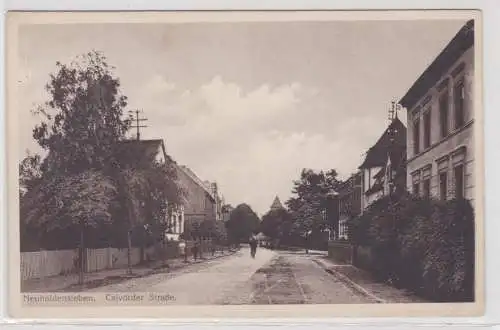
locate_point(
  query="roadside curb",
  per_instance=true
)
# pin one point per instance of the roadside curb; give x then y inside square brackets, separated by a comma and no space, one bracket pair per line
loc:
[348,282]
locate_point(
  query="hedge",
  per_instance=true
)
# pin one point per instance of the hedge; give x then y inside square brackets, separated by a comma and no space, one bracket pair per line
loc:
[424,245]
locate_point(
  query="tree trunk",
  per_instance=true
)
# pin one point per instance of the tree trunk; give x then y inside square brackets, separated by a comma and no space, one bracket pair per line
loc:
[81,256]
[129,252]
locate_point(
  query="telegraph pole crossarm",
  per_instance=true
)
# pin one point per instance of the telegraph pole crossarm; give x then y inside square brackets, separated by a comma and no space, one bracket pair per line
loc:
[134,116]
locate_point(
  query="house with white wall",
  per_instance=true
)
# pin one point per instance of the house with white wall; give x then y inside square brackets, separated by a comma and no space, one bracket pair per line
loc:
[382,163]
[136,152]
[440,108]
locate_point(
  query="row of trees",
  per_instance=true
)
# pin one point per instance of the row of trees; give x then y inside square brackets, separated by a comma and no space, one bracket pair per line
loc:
[81,186]
[311,210]
[242,223]
[206,228]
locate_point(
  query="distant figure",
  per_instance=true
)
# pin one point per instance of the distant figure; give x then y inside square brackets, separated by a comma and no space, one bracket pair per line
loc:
[253,245]
[182,250]
[195,249]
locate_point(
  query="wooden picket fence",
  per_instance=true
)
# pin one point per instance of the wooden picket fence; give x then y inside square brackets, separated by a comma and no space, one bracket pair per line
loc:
[43,263]
[40,264]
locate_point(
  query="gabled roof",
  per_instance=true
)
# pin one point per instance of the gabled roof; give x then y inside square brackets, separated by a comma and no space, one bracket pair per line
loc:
[136,152]
[377,154]
[462,41]
[397,157]
[189,173]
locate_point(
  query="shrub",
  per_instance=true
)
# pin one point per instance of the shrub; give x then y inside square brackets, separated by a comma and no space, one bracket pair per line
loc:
[424,245]
[449,262]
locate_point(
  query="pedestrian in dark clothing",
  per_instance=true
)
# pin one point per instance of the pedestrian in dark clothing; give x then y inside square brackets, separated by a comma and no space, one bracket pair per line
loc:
[195,250]
[253,246]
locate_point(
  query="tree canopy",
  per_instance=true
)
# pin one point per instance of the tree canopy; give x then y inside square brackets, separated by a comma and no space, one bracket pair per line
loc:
[242,223]
[276,223]
[30,172]
[312,192]
[84,117]
[59,202]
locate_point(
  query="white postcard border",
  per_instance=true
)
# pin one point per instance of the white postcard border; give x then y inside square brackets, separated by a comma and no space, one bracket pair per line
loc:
[288,311]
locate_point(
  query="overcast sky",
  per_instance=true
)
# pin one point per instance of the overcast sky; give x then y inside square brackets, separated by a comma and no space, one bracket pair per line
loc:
[249,104]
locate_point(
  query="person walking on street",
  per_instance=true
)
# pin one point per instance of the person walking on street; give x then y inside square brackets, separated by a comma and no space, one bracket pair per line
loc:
[196,249]
[253,245]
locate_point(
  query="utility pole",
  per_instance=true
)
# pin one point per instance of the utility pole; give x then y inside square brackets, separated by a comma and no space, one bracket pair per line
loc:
[393,111]
[134,116]
[393,114]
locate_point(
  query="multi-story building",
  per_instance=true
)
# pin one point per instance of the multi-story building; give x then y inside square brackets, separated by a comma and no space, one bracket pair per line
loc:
[138,153]
[440,123]
[201,204]
[226,212]
[384,164]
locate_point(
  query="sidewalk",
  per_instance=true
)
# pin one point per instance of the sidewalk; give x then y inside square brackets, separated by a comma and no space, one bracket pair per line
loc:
[66,283]
[362,282]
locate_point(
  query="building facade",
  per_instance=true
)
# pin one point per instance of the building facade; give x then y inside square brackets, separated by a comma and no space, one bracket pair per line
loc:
[226,212]
[383,164]
[349,202]
[200,204]
[219,200]
[440,123]
[138,153]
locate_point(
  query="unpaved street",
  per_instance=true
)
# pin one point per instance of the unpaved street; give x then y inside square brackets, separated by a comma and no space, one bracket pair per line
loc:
[271,278]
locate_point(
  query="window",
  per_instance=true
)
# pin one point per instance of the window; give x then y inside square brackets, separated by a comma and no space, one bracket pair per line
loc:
[416,136]
[416,189]
[443,113]
[415,182]
[427,188]
[459,103]
[443,185]
[459,181]
[427,129]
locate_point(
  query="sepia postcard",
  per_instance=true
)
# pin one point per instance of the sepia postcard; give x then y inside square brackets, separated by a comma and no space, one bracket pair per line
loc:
[245,164]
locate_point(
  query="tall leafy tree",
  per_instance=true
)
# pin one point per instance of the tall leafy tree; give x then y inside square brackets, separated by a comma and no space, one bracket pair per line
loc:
[83,119]
[78,201]
[276,224]
[312,192]
[242,222]
[81,125]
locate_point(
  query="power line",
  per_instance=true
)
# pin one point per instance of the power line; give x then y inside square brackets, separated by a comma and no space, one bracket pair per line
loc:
[134,116]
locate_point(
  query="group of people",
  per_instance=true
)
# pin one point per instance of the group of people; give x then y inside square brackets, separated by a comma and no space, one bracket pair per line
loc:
[195,249]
